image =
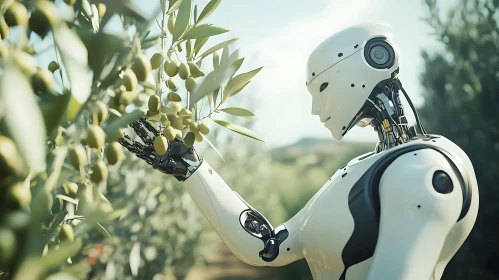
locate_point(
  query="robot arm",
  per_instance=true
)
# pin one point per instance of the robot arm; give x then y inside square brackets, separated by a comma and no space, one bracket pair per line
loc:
[421,200]
[243,229]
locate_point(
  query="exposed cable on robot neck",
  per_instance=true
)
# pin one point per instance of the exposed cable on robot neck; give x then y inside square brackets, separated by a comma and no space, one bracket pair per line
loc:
[418,122]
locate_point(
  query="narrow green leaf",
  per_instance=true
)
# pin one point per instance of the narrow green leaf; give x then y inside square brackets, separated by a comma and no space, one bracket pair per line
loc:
[239,80]
[189,49]
[234,67]
[183,17]
[238,112]
[22,116]
[235,91]
[215,94]
[102,230]
[209,84]
[208,9]
[204,30]
[67,198]
[217,47]
[174,7]
[199,44]
[214,148]
[224,60]
[53,109]
[238,129]
[195,13]
[112,128]
[216,64]
[74,56]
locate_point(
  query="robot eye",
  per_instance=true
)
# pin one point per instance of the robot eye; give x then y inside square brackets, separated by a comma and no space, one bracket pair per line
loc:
[324,86]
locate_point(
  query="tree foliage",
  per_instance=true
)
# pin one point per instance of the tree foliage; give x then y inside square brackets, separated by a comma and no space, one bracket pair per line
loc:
[69,194]
[461,91]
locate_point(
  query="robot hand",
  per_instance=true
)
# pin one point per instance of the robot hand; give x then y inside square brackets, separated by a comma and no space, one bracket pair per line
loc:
[179,160]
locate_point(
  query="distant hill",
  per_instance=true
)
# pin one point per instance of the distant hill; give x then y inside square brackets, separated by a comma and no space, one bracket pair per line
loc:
[319,150]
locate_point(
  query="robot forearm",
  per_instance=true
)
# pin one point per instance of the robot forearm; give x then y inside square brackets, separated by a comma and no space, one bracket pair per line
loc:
[240,227]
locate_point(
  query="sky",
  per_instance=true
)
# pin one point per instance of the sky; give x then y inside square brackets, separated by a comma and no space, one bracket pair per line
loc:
[280,35]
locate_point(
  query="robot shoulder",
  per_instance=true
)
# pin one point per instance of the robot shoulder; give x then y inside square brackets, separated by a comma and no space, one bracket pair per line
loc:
[364,197]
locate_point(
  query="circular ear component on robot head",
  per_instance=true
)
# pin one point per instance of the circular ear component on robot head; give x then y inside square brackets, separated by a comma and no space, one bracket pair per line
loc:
[379,53]
[442,183]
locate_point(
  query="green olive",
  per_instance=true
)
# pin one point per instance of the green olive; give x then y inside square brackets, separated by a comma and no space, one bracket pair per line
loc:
[153,103]
[129,80]
[194,69]
[25,62]
[96,137]
[77,157]
[156,61]
[171,23]
[178,123]
[171,84]
[161,144]
[101,7]
[20,194]
[70,2]
[171,68]
[184,71]
[99,172]
[190,84]
[114,153]
[16,14]
[53,66]
[141,67]
[70,188]
[169,133]
[204,129]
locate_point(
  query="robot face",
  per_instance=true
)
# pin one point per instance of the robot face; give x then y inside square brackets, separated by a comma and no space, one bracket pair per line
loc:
[340,78]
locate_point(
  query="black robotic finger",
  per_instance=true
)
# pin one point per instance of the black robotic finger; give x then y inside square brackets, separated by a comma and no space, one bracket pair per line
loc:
[144,152]
[142,132]
[150,127]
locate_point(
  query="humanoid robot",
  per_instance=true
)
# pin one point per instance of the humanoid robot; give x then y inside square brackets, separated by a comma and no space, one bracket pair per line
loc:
[400,212]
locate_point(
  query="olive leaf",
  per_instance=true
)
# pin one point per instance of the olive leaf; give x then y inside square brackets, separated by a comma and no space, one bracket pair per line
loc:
[102,230]
[67,198]
[209,84]
[135,259]
[238,129]
[204,30]
[174,6]
[208,9]
[216,65]
[236,91]
[238,112]
[74,56]
[199,44]
[183,17]
[195,13]
[53,108]
[189,49]
[234,67]
[214,148]
[111,129]
[217,47]
[241,80]
[22,116]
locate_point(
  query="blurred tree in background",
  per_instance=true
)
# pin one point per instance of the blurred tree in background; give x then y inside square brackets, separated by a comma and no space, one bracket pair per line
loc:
[461,90]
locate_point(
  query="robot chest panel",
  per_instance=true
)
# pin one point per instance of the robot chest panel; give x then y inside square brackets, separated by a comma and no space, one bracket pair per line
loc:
[329,227]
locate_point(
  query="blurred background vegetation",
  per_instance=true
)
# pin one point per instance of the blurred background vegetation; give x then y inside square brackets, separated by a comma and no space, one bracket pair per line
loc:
[154,231]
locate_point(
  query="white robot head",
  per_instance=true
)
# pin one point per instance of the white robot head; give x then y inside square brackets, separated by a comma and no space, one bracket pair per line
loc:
[345,68]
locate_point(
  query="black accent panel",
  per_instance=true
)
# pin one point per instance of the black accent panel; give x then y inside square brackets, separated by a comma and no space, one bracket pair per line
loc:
[364,204]
[442,183]
[259,227]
